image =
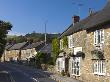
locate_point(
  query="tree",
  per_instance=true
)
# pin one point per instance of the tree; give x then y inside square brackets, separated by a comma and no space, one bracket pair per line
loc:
[4,28]
[55,49]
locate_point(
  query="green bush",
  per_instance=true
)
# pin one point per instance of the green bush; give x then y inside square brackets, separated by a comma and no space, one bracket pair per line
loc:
[62,73]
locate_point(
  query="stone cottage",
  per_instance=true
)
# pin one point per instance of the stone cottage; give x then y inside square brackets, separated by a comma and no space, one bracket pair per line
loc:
[7,52]
[88,47]
[21,51]
[31,50]
[13,51]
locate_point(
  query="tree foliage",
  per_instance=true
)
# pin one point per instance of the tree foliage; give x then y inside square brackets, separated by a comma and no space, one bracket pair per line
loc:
[34,37]
[4,28]
[55,49]
[41,58]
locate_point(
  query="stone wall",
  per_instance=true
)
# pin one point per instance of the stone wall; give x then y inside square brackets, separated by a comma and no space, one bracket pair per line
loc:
[80,41]
[10,54]
[85,40]
[87,73]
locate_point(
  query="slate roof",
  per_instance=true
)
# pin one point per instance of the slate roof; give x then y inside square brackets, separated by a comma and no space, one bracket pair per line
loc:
[101,17]
[46,49]
[33,45]
[89,22]
[8,46]
[18,46]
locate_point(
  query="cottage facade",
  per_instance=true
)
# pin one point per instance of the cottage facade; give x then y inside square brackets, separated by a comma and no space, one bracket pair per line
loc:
[31,50]
[88,47]
[13,52]
[21,51]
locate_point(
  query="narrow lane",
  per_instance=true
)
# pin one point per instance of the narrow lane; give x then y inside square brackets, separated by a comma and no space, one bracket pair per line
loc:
[25,74]
[16,74]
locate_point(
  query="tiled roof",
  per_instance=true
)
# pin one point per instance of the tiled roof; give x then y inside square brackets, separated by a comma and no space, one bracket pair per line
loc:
[89,22]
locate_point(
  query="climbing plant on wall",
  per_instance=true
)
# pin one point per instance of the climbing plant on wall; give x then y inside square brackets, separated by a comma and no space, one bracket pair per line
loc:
[65,41]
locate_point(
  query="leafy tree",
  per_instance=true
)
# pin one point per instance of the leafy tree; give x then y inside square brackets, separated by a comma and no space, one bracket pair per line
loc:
[4,28]
[55,49]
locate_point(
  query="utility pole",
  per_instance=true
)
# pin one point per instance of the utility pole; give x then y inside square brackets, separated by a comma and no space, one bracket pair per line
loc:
[45,32]
[80,5]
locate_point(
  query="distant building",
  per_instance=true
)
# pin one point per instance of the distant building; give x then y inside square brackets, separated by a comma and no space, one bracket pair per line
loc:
[13,51]
[21,51]
[31,50]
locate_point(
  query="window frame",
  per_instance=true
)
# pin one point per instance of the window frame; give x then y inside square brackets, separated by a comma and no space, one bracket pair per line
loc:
[99,67]
[74,66]
[61,44]
[61,64]
[70,41]
[98,36]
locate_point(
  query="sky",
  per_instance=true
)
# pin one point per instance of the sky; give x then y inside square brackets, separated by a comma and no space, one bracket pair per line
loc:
[27,16]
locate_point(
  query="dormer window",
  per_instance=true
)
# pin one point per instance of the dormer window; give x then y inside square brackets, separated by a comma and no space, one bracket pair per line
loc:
[98,36]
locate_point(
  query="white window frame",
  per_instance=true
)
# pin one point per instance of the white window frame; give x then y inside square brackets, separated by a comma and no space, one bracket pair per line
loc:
[61,64]
[99,36]
[61,44]
[74,66]
[70,41]
[99,67]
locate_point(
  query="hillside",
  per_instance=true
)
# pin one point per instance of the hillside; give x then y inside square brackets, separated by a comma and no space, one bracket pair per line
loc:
[33,37]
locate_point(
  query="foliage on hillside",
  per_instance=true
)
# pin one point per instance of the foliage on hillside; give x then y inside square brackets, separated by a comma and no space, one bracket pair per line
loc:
[4,28]
[33,37]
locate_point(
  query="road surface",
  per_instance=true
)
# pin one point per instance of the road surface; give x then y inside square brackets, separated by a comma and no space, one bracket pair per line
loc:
[20,73]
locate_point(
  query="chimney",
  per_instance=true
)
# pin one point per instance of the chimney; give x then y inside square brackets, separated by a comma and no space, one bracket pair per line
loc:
[76,19]
[91,12]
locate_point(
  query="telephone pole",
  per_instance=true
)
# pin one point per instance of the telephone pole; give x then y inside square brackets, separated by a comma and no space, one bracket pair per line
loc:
[45,32]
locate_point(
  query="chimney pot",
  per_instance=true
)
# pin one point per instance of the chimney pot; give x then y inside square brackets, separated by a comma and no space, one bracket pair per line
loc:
[76,19]
[91,12]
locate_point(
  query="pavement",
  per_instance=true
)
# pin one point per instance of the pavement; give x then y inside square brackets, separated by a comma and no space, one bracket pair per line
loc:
[60,78]
[19,73]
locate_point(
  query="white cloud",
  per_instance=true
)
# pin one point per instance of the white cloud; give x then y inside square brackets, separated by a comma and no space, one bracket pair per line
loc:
[15,33]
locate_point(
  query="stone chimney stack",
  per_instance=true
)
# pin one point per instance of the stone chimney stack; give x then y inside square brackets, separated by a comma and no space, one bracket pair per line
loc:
[76,19]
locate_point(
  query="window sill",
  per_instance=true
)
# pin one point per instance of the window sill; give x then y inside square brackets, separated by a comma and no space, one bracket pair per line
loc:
[103,74]
[71,47]
[75,75]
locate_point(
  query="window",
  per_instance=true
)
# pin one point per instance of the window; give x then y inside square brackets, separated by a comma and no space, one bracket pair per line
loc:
[99,36]
[76,66]
[99,67]
[61,64]
[61,44]
[70,41]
